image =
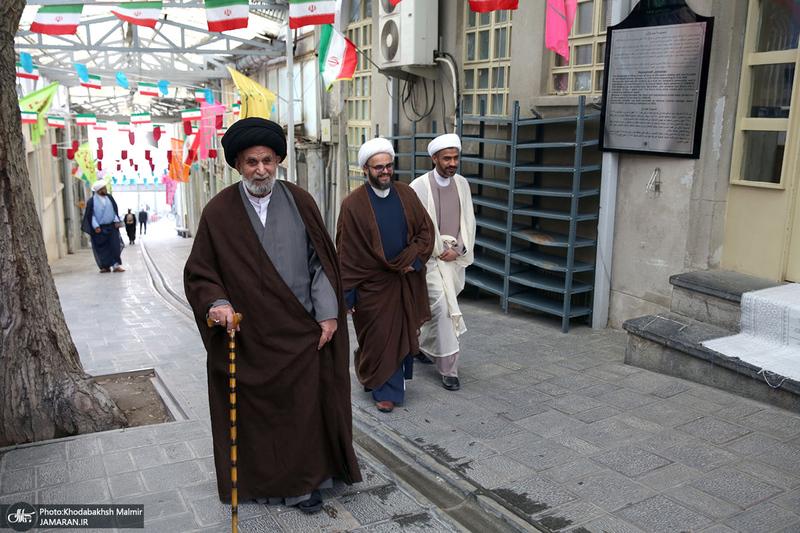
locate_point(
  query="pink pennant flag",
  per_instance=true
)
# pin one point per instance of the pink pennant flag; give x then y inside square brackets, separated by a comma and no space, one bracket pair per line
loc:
[207,130]
[560,16]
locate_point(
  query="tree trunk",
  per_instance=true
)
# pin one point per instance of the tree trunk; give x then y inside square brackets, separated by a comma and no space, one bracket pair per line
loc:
[45,392]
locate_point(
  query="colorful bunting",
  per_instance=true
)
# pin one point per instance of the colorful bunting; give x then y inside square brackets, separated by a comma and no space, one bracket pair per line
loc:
[139,13]
[140,118]
[558,24]
[191,114]
[124,126]
[257,101]
[311,12]
[86,119]
[30,117]
[337,56]
[92,83]
[224,15]
[39,102]
[56,122]
[101,125]
[58,19]
[148,89]
[486,6]
[122,80]
[32,74]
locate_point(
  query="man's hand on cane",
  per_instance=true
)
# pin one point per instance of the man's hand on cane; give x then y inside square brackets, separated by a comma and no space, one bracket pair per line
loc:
[222,315]
[328,329]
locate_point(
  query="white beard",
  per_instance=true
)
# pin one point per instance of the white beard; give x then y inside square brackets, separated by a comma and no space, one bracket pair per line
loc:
[259,191]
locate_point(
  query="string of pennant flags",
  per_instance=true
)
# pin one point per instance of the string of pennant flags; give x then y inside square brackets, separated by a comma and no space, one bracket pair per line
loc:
[337,61]
[221,15]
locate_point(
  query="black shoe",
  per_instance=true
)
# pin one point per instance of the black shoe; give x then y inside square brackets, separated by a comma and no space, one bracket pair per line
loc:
[422,359]
[313,504]
[450,383]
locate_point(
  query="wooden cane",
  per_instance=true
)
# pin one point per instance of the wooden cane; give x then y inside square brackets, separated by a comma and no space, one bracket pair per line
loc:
[237,318]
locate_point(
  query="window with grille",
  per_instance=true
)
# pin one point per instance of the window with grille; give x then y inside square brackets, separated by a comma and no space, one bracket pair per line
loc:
[359,89]
[487,62]
[765,123]
[583,73]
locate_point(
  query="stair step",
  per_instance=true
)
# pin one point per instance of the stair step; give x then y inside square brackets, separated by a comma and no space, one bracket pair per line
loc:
[714,296]
[670,344]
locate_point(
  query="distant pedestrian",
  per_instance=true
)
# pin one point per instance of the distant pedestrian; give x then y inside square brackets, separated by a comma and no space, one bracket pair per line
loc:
[101,222]
[447,198]
[130,226]
[384,237]
[143,222]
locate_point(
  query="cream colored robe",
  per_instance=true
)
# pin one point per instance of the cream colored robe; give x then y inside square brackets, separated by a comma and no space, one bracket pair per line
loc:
[445,279]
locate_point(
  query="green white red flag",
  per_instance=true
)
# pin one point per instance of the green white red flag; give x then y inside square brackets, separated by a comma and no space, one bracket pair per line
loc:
[191,114]
[224,15]
[29,117]
[139,13]
[337,56]
[92,83]
[86,119]
[22,73]
[56,122]
[311,12]
[486,6]
[57,20]
[148,89]
[140,118]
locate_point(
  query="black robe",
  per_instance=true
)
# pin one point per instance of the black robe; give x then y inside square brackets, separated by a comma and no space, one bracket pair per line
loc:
[294,417]
[106,245]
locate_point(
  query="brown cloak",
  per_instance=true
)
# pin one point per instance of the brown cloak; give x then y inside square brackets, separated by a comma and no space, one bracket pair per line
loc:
[393,304]
[294,420]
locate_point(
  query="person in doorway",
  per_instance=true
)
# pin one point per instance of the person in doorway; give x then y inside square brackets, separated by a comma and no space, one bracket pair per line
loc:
[143,221]
[262,249]
[101,222]
[130,226]
[448,200]
[384,237]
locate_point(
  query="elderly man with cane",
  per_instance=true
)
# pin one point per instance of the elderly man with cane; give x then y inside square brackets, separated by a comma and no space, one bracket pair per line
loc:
[262,250]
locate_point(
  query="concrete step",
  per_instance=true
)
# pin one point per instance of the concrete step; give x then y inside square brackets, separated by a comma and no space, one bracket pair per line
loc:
[670,344]
[714,296]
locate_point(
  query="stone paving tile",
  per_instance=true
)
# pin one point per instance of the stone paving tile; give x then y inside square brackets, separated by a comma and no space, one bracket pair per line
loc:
[765,517]
[699,455]
[567,515]
[631,461]
[736,487]
[714,430]
[606,524]
[609,490]
[535,494]
[784,456]
[768,474]
[662,515]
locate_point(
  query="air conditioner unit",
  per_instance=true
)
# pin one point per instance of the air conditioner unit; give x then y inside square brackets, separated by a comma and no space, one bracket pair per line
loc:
[408,33]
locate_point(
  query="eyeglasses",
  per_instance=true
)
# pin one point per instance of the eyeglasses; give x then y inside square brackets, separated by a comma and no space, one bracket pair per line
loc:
[381,168]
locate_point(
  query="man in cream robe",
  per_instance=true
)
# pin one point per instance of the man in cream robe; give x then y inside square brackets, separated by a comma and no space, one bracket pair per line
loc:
[447,198]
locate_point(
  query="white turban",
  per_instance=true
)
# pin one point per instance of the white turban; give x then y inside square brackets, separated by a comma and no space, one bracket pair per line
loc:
[99,184]
[448,140]
[378,145]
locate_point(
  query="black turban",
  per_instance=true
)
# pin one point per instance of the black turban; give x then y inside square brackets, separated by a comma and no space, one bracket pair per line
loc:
[253,131]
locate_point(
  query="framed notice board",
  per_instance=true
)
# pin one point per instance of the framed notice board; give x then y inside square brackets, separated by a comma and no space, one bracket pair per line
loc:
[655,80]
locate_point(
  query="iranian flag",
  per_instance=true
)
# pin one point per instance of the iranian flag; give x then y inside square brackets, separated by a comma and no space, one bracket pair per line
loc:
[191,114]
[86,119]
[237,108]
[101,125]
[32,75]
[92,83]
[224,15]
[148,89]
[139,13]
[78,173]
[337,57]
[221,131]
[124,126]
[485,6]
[30,117]
[56,122]
[310,12]
[57,20]
[140,118]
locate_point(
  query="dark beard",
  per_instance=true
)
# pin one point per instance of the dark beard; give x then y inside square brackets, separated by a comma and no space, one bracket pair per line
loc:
[377,184]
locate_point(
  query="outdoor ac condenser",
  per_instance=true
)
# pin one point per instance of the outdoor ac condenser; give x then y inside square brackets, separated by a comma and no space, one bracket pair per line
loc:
[408,33]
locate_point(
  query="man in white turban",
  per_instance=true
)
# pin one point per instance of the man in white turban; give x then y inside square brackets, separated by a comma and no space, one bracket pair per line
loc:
[384,237]
[101,221]
[448,200]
